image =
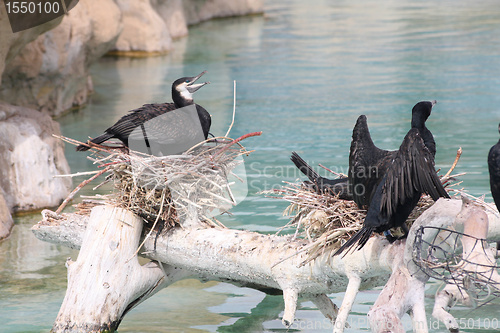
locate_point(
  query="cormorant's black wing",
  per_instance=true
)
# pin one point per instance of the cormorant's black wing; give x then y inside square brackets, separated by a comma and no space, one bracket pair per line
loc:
[365,167]
[411,171]
[205,119]
[494,169]
[126,124]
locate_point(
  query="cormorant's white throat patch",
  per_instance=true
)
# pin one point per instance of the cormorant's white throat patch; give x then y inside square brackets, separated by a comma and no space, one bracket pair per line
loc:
[184,92]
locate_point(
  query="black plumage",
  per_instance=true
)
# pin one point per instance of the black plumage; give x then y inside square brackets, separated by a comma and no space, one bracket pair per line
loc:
[390,183]
[339,186]
[182,90]
[494,169]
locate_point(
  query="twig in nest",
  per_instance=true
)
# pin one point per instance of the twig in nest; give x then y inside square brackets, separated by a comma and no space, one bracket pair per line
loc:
[326,221]
[459,153]
[236,141]
[479,201]
[154,224]
[340,175]
[192,183]
[78,174]
[78,188]
[234,109]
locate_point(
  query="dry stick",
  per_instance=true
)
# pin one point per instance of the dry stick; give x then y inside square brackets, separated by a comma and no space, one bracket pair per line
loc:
[480,200]
[86,173]
[101,184]
[154,224]
[206,141]
[459,153]
[78,188]
[234,109]
[340,175]
[236,141]
[112,163]
[93,146]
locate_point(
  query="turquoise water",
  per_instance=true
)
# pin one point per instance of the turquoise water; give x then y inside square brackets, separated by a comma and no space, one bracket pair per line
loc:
[304,73]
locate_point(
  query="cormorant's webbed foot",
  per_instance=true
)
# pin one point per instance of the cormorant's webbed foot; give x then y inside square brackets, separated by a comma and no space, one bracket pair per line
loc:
[158,232]
[390,237]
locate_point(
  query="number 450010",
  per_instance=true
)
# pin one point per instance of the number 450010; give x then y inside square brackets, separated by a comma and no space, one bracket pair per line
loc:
[24,7]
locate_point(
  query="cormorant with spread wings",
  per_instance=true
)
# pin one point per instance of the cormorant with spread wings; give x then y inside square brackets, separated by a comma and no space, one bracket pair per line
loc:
[390,183]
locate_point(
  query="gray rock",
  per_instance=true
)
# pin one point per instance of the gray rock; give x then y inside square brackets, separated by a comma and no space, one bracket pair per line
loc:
[6,222]
[179,14]
[30,157]
[197,11]
[52,72]
[172,13]
[143,29]
[48,70]
[12,43]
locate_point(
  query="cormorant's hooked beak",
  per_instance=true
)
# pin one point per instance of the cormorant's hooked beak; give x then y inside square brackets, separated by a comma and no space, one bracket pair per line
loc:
[434,102]
[191,87]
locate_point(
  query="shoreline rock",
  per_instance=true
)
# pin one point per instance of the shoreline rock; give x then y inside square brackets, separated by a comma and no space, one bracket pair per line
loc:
[45,72]
[150,25]
[12,43]
[51,73]
[6,221]
[143,29]
[200,11]
[30,157]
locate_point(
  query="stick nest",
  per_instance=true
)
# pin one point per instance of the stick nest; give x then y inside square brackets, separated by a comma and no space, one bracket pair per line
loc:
[168,191]
[327,221]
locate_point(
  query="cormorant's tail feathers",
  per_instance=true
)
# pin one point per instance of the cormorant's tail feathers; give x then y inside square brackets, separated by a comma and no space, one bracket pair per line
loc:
[305,168]
[100,139]
[358,240]
[82,148]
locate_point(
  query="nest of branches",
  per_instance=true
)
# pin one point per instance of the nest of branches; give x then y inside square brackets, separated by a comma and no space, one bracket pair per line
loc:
[167,191]
[327,221]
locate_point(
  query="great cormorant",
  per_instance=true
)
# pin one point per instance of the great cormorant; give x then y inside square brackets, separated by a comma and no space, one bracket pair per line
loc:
[494,169]
[182,95]
[390,183]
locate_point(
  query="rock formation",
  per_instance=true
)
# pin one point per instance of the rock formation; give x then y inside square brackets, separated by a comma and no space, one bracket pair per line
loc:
[46,69]
[6,222]
[199,11]
[30,157]
[143,29]
[52,73]
[19,130]
[12,43]
[150,25]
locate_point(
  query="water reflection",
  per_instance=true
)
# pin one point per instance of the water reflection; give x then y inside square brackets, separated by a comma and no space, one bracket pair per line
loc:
[32,279]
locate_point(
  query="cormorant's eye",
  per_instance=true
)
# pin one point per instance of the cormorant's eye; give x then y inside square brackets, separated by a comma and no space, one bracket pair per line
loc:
[187,81]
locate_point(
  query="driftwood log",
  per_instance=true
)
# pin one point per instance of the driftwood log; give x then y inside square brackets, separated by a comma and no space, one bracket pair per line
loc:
[106,280]
[478,264]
